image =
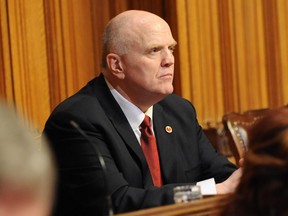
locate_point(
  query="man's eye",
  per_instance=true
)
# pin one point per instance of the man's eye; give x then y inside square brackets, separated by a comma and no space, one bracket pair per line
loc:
[154,50]
[171,49]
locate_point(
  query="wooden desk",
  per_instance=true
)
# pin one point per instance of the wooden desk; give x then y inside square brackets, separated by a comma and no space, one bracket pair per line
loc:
[232,160]
[203,207]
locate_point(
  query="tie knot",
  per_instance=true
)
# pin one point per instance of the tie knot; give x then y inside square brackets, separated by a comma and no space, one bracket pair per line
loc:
[146,122]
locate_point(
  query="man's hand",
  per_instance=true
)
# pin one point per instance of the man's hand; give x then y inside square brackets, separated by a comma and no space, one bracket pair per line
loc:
[230,184]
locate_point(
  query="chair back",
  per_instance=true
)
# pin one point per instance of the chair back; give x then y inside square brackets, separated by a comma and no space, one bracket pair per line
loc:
[238,125]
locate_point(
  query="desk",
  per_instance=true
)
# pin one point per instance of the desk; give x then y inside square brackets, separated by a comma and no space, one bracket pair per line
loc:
[232,160]
[203,207]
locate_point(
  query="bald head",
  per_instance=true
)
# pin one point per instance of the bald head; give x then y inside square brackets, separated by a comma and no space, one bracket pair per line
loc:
[125,29]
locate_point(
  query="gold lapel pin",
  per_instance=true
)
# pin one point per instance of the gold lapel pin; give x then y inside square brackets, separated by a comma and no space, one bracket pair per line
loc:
[168,129]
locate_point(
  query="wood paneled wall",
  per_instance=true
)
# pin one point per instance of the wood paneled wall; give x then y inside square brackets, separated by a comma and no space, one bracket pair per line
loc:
[232,54]
[24,73]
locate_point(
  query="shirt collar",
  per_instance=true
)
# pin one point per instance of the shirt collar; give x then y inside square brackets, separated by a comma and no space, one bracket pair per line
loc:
[133,114]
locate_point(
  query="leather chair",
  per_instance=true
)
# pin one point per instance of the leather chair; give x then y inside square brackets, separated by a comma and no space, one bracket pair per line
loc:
[218,139]
[237,126]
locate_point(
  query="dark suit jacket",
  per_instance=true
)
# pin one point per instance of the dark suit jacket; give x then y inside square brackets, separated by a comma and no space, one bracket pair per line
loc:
[186,155]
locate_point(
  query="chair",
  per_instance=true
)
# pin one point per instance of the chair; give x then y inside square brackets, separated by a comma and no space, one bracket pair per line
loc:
[219,140]
[238,125]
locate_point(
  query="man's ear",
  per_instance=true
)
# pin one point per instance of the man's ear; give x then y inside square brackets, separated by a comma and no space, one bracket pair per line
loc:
[115,65]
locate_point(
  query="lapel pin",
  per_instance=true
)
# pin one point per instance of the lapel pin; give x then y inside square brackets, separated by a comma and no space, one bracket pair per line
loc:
[168,129]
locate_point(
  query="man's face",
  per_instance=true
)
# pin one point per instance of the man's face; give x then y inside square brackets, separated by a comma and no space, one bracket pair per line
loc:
[149,63]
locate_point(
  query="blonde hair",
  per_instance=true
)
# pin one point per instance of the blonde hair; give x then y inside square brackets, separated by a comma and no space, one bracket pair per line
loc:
[25,162]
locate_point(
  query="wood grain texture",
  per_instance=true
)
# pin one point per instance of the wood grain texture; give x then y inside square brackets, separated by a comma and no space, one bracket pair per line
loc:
[231,54]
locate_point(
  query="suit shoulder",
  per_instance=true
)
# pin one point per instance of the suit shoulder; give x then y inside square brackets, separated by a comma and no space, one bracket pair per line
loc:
[175,104]
[82,99]
[173,100]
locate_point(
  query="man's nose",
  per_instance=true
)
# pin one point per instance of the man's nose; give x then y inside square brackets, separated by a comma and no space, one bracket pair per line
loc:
[167,58]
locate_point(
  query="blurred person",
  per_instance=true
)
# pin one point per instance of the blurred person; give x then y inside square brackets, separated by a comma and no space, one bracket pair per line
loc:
[27,172]
[136,83]
[262,189]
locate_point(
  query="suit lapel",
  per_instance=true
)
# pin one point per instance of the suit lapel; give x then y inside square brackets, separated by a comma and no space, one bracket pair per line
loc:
[166,147]
[121,124]
[129,138]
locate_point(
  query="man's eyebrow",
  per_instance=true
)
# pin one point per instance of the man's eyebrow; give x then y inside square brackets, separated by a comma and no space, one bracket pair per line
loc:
[157,46]
[174,44]
[161,46]
[151,47]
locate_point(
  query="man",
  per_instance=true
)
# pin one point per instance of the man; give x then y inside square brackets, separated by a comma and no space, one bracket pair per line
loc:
[27,172]
[136,80]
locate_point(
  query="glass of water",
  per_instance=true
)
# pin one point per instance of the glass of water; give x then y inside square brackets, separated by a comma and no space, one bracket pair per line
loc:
[186,193]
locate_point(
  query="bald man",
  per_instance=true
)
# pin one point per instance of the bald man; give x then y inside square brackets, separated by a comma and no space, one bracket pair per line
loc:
[136,81]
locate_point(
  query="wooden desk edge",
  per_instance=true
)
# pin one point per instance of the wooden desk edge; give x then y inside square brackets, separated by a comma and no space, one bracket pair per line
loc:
[206,206]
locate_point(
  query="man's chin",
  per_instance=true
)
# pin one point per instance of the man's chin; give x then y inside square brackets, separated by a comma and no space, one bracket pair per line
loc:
[166,92]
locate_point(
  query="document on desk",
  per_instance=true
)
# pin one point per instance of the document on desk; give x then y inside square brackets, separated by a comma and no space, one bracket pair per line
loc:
[208,187]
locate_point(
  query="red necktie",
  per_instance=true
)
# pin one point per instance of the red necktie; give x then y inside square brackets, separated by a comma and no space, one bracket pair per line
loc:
[149,147]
